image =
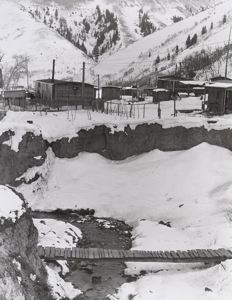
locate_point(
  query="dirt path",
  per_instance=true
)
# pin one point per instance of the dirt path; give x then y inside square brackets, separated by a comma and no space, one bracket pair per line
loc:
[96,280]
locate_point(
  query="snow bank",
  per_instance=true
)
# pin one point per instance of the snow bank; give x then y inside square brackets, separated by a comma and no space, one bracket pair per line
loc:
[211,284]
[56,125]
[11,205]
[54,233]
[190,189]
[60,288]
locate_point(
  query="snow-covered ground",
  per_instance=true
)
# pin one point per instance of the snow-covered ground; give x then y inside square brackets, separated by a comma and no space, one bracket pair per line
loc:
[138,59]
[12,207]
[22,35]
[55,125]
[190,189]
[53,233]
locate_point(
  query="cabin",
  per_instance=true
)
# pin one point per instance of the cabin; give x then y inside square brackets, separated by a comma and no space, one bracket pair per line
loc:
[130,91]
[58,93]
[192,86]
[220,98]
[14,98]
[161,95]
[169,82]
[111,93]
[177,84]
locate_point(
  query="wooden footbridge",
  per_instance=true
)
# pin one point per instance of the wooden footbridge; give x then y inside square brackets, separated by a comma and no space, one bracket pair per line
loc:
[189,256]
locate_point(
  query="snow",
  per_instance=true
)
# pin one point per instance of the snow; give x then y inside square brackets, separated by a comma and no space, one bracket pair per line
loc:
[138,59]
[40,44]
[206,284]
[60,288]
[190,189]
[224,85]
[55,125]
[54,233]
[12,206]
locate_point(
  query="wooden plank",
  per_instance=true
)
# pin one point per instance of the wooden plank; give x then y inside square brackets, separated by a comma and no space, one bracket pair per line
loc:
[81,253]
[207,253]
[168,254]
[220,253]
[86,253]
[180,254]
[195,254]
[47,252]
[57,252]
[174,254]
[52,252]
[62,252]
[102,253]
[227,253]
[159,254]
[213,253]
[78,253]
[201,254]
[96,253]
[73,252]
[91,256]
[66,253]
[69,252]
[121,253]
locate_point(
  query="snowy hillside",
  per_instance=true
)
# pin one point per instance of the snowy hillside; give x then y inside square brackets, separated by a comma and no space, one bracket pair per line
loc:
[162,50]
[21,35]
[80,21]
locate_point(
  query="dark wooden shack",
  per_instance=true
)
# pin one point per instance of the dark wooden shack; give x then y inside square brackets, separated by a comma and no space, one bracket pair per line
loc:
[131,91]
[180,85]
[58,93]
[161,95]
[169,82]
[14,98]
[220,98]
[111,93]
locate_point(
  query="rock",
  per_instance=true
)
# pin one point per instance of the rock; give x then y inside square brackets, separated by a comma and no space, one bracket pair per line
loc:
[208,289]
[19,259]
[96,279]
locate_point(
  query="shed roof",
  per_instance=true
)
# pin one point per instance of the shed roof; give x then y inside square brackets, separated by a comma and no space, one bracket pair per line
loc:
[222,85]
[111,86]
[160,90]
[57,81]
[193,82]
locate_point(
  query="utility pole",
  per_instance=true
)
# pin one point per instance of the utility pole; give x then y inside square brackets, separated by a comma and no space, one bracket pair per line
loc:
[228,52]
[98,91]
[27,76]
[98,86]
[83,84]
[53,69]
[174,97]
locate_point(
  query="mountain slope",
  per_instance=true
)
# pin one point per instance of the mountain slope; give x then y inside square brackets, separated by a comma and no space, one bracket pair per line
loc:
[130,19]
[140,58]
[21,35]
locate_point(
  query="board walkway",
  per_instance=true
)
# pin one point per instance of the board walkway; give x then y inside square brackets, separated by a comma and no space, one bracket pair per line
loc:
[188,256]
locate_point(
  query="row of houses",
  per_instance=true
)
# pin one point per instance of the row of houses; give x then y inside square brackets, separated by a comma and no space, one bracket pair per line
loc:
[58,93]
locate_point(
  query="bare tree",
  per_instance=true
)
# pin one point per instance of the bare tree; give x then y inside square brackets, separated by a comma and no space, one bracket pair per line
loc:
[18,70]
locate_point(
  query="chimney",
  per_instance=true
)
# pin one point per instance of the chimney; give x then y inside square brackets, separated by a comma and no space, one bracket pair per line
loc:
[53,70]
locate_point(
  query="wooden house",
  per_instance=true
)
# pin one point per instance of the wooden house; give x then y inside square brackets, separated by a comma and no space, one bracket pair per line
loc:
[176,84]
[14,98]
[111,92]
[58,93]
[220,98]
[130,91]
[161,95]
